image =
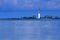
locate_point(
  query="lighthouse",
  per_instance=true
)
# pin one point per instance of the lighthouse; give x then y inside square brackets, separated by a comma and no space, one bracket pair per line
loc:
[39,13]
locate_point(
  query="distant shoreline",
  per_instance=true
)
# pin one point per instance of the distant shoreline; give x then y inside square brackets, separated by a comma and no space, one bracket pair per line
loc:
[33,18]
[27,19]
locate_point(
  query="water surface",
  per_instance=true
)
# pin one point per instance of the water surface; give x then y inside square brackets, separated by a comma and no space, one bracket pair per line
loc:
[30,30]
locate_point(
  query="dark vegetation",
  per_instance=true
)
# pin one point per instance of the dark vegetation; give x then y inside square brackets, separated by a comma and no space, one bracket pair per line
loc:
[33,17]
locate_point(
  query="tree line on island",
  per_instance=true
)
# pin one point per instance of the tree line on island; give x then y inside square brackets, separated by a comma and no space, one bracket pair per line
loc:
[32,17]
[50,17]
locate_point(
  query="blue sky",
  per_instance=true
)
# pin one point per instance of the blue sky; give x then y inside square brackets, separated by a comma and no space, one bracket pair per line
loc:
[18,8]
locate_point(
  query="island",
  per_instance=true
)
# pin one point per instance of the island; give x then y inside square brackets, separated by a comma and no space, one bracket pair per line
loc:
[33,18]
[47,17]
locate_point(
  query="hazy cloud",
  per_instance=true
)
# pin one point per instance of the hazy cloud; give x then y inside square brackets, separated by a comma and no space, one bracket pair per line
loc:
[25,4]
[50,4]
[30,4]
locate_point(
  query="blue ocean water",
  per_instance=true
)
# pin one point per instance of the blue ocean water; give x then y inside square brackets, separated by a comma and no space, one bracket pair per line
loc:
[30,30]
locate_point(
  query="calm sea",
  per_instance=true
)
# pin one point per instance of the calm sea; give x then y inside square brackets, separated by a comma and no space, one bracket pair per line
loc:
[30,30]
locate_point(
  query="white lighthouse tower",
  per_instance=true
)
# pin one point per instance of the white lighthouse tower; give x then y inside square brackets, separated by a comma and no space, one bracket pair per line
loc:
[39,13]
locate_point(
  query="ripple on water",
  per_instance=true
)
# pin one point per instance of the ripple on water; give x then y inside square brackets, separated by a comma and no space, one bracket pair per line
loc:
[30,30]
